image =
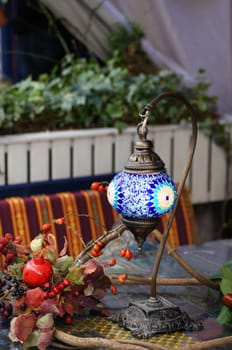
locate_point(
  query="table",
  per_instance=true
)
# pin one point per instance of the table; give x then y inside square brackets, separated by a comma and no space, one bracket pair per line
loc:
[200,302]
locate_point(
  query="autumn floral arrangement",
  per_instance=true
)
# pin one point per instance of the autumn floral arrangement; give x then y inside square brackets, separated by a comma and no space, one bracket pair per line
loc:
[39,286]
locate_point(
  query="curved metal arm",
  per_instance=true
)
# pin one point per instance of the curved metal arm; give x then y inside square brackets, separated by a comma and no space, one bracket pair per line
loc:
[144,114]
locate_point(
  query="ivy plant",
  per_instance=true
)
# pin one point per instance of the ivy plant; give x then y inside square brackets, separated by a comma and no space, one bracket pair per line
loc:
[86,93]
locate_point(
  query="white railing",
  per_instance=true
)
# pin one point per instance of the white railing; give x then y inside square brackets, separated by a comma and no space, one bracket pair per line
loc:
[29,158]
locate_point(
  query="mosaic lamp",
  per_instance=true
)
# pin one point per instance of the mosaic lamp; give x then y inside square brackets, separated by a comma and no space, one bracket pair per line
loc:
[141,194]
[143,191]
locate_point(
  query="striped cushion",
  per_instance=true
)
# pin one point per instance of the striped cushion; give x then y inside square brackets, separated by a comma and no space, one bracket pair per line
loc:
[88,214]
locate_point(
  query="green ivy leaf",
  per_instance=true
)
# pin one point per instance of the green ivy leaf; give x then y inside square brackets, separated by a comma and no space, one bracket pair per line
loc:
[225,315]
[226,286]
[226,272]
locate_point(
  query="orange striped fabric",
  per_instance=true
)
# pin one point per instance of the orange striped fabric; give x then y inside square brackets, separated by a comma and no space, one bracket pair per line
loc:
[88,215]
[73,228]
[19,219]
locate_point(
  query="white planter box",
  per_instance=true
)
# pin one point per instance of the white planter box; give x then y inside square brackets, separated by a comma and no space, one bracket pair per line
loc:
[34,157]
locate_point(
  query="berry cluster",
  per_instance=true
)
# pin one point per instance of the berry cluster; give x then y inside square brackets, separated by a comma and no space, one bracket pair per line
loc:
[6,310]
[56,289]
[97,249]
[126,253]
[10,285]
[48,227]
[8,248]
[99,186]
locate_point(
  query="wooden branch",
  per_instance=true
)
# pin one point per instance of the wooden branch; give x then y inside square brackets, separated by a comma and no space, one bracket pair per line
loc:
[131,279]
[182,262]
[112,344]
[72,342]
[207,344]
[107,237]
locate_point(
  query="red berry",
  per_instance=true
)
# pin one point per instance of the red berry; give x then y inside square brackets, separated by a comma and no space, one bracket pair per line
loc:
[51,294]
[46,285]
[46,227]
[66,282]
[123,252]
[227,299]
[60,287]
[128,254]
[9,256]
[18,239]
[113,290]
[97,247]
[3,240]
[55,290]
[59,221]
[101,244]
[46,295]
[8,236]
[101,188]
[112,262]
[122,278]
[95,253]
[94,186]
[68,320]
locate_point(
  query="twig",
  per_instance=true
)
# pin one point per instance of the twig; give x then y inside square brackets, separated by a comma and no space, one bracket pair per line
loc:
[107,237]
[131,279]
[171,251]
[112,344]
[207,344]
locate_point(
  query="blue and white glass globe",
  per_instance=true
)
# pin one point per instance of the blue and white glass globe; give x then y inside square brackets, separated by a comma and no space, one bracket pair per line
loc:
[142,196]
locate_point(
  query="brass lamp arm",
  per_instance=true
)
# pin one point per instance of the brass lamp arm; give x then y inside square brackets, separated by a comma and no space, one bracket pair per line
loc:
[144,114]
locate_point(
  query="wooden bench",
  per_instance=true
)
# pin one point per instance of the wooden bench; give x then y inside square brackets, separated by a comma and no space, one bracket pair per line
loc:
[88,215]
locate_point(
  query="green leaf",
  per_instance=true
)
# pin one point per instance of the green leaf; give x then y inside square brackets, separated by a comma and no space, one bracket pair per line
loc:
[114,110]
[226,272]
[225,315]
[75,276]
[64,263]
[226,286]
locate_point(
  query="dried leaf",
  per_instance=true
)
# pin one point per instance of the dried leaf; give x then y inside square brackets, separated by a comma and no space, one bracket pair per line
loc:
[34,298]
[88,290]
[23,326]
[65,248]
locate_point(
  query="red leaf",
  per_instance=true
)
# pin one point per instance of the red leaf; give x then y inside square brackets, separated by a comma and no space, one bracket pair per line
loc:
[90,267]
[45,339]
[23,326]
[47,307]
[34,298]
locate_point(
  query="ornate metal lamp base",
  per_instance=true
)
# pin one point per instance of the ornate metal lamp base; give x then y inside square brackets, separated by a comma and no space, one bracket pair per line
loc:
[153,316]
